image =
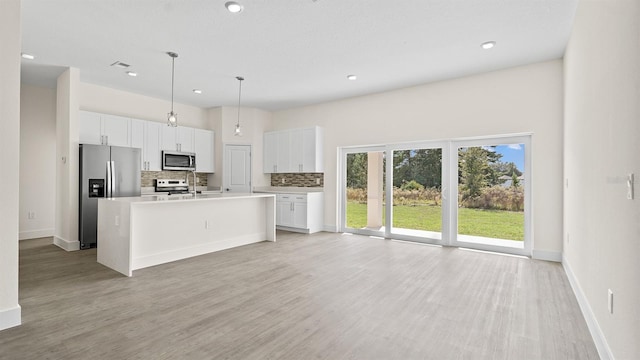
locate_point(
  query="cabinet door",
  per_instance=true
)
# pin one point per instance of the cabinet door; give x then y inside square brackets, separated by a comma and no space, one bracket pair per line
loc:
[296,150]
[299,217]
[270,152]
[283,161]
[89,129]
[204,146]
[284,215]
[184,138]
[137,139]
[116,129]
[152,140]
[168,138]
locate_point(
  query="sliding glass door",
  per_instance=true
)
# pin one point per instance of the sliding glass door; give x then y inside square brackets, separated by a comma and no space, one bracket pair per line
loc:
[416,193]
[492,194]
[466,193]
[363,191]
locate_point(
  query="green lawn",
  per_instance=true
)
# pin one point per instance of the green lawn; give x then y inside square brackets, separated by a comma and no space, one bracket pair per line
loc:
[488,223]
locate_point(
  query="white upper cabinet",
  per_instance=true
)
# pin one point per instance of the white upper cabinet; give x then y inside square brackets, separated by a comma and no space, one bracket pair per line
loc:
[306,150]
[295,150]
[150,136]
[204,149]
[90,128]
[178,138]
[152,151]
[283,160]
[146,135]
[116,129]
[137,139]
[277,154]
[102,129]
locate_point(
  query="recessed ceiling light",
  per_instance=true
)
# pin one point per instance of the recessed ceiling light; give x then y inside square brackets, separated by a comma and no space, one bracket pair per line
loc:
[488,45]
[131,73]
[233,7]
[197,91]
[352,77]
[27,56]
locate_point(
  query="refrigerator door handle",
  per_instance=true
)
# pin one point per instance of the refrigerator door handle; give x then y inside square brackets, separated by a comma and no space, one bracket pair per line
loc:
[113,178]
[108,190]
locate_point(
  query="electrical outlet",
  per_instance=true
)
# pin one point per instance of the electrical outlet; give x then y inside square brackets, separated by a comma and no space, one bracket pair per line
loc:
[610,301]
[117,220]
[206,224]
[31,215]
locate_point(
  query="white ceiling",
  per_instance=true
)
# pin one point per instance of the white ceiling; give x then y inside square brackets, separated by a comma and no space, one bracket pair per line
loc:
[291,52]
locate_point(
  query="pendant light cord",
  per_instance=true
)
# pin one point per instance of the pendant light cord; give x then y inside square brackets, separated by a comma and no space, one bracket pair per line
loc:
[173,63]
[240,78]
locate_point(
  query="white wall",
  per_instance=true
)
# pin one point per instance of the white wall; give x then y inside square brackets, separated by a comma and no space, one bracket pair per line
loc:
[518,100]
[117,102]
[253,122]
[67,160]
[10,39]
[602,146]
[37,161]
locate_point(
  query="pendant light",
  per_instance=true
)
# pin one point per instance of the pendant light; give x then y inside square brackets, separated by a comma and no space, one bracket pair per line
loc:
[172,117]
[238,132]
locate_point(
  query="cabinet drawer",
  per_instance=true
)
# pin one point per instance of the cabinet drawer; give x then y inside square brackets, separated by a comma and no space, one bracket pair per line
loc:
[292,197]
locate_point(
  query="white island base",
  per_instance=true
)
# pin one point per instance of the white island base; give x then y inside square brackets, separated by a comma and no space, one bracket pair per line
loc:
[136,232]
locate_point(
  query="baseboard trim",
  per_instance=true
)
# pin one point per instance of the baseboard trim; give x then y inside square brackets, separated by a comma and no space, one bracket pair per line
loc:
[330,228]
[547,255]
[10,318]
[35,234]
[66,245]
[592,323]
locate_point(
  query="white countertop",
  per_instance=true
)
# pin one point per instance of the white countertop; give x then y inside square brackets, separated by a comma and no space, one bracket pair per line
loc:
[150,199]
[287,190]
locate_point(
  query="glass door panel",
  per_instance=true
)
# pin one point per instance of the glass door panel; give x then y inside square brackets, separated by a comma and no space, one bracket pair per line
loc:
[491,196]
[417,193]
[364,192]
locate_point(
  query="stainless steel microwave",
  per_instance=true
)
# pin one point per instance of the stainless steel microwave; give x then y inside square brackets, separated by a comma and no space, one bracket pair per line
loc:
[174,160]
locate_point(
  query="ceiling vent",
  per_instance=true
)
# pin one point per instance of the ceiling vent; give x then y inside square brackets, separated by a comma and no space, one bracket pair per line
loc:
[120,64]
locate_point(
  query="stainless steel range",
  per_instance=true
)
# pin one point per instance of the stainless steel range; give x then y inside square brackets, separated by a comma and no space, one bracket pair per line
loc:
[172,186]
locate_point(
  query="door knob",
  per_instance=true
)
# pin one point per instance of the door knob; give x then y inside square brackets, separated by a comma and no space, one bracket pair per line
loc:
[227,189]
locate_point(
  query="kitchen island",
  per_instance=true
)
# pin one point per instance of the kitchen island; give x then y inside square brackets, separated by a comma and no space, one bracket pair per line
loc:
[138,232]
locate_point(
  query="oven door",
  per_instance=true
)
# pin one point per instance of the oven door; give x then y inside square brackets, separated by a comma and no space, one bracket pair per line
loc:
[172,160]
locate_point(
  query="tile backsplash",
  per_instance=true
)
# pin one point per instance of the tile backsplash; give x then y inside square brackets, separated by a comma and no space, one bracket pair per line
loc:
[149,176]
[298,179]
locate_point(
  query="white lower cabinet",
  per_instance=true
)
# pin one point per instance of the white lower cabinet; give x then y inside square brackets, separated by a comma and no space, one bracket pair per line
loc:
[300,212]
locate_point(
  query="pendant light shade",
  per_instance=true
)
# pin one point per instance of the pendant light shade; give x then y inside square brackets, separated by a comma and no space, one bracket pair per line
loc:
[238,131]
[172,117]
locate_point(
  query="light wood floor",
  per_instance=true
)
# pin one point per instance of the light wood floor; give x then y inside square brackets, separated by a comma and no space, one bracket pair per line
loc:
[321,296]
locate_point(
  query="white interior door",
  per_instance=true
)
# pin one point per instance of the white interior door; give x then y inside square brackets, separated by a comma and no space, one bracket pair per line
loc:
[237,168]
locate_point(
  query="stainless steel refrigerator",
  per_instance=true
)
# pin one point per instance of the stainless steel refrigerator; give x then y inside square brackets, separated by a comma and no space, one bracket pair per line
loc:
[105,172]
